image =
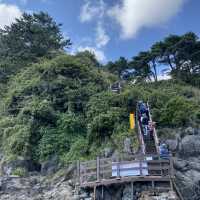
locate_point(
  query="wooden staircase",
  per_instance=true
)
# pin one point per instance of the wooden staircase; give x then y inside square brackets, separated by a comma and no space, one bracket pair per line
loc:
[150,141]
[150,145]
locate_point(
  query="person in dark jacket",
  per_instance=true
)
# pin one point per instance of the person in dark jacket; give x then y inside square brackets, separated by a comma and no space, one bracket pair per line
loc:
[144,119]
[143,109]
[145,122]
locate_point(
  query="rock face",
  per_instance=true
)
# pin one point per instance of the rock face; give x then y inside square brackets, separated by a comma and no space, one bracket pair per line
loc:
[190,146]
[139,192]
[33,188]
[187,164]
[187,174]
[162,196]
[39,188]
[7,168]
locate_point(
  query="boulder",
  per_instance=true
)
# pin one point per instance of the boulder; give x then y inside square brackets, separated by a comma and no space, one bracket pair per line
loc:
[190,146]
[108,152]
[181,165]
[189,131]
[172,144]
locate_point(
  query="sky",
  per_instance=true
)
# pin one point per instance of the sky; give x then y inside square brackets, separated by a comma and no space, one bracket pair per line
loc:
[111,28]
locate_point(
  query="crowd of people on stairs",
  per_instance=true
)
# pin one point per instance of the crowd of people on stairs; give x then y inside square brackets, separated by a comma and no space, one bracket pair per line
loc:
[148,127]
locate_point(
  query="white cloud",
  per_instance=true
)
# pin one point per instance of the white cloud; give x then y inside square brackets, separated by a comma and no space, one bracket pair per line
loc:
[26,1]
[8,14]
[95,11]
[91,10]
[86,12]
[99,54]
[132,15]
[164,77]
[102,38]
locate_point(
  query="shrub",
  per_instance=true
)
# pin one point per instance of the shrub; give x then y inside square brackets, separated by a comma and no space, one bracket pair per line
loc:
[21,172]
[79,151]
[177,112]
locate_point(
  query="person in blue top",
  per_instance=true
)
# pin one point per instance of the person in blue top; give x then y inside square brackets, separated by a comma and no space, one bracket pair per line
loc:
[143,109]
[164,152]
[145,122]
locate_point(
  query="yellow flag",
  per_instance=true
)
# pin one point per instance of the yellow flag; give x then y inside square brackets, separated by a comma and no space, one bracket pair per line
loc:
[132,120]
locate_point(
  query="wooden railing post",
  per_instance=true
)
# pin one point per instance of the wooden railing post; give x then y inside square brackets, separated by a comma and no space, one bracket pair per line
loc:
[141,171]
[78,172]
[160,165]
[171,167]
[98,169]
[118,169]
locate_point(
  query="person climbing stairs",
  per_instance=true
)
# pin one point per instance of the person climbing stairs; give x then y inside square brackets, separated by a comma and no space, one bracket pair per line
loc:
[146,128]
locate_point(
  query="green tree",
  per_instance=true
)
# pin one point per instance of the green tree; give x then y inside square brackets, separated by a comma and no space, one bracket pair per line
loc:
[118,66]
[182,55]
[87,58]
[140,63]
[30,37]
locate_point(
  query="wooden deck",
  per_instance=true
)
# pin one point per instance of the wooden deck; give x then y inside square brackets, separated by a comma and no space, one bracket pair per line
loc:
[107,171]
[132,179]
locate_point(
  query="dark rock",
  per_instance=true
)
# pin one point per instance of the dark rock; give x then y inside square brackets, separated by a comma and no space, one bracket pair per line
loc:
[33,188]
[189,131]
[187,165]
[172,144]
[51,166]
[7,168]
[181,165]
[190,146]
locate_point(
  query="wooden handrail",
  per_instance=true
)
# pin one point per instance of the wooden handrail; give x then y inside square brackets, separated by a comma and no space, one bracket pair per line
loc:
[141,139]
[177,189]
[154,131]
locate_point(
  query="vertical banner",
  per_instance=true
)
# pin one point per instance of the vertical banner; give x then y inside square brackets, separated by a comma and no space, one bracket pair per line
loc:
[132,120]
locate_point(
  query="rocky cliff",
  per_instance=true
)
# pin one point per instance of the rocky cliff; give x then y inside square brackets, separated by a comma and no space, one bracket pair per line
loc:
[60,185]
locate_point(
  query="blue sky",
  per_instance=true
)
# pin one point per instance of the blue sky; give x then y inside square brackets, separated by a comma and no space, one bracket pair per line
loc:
[112,28]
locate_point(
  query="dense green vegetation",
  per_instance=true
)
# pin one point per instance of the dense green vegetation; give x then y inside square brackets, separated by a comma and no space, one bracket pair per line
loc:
[52,103]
